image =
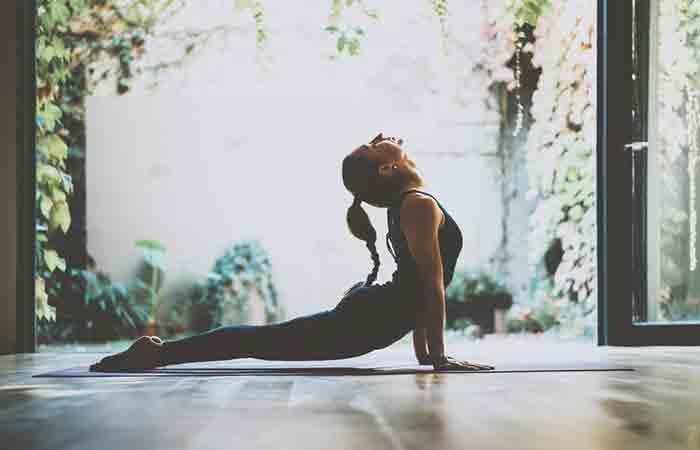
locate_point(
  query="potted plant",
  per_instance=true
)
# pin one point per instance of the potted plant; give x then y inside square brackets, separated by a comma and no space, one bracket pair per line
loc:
[480,297]
[150,280]
[240,288]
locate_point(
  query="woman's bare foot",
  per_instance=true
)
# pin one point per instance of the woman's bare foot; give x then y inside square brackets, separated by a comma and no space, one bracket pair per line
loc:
[144,353]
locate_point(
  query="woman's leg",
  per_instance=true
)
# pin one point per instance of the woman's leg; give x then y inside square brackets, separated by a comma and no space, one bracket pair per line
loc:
[325,335]
[362,322]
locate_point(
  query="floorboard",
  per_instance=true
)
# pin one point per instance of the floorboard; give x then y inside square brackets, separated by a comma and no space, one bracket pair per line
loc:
[655,407]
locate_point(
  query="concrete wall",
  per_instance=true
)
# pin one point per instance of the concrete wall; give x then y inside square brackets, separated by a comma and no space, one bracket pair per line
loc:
[8,176]
[223,149]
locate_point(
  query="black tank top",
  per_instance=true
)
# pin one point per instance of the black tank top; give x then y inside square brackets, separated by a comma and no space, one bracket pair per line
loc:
[449,236]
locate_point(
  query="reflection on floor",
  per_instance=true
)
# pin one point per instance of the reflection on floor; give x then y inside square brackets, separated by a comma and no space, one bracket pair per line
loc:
[656,407]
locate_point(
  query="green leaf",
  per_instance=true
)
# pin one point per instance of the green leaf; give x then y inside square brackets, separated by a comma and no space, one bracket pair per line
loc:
[331,28]
[77,5]
[53,261]
[45,205]
[50,116]
[43,309]
[60,216]
[354,47]
[243,4]
[47,53]
[58,195]
[373,13]
[150,244]
[59,12]
[47,174]
[340,45]
[53,147]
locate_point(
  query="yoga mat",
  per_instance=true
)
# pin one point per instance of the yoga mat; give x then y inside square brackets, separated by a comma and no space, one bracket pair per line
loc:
[84,372]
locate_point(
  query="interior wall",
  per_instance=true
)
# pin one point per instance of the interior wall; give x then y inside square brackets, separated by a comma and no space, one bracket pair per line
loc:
[8,176]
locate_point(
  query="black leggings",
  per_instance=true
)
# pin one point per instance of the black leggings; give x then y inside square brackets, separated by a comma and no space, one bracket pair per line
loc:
[366,319]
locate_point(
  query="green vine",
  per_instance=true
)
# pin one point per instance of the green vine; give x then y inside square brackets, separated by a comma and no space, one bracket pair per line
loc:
[71,35]
[439,8]
[561,157]
[257,10]
[348,37]
[528,11]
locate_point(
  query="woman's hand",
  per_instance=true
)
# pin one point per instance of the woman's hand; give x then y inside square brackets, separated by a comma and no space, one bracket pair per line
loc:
[449,363]
[420,346]
[381,138]
[424,360]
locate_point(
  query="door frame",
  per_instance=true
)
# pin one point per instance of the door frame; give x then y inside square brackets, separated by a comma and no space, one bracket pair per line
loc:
[616,277]
[26,177]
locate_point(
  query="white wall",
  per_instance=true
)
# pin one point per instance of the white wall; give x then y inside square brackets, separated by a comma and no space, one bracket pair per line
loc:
[222,150]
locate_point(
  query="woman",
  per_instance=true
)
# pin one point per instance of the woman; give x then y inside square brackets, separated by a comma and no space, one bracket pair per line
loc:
[424,241]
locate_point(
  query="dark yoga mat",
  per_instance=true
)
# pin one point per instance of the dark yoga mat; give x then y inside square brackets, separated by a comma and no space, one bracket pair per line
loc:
[203,371]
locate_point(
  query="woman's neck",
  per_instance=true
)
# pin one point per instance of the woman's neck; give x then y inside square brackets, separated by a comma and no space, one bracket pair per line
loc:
[412,186]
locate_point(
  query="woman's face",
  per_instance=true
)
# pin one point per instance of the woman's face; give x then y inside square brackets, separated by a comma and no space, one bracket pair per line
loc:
[394,163]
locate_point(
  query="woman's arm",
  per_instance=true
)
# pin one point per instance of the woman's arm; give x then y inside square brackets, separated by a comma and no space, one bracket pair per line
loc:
[420,346]
[421,219]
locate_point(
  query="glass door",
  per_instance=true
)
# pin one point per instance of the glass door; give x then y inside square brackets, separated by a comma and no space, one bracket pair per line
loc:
[650,100]
[673,102]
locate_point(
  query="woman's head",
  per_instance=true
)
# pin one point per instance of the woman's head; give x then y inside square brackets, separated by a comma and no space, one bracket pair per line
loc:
[379,171]
[376,173]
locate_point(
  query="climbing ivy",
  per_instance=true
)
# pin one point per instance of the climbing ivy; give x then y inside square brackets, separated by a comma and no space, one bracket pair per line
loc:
[561,158]
[72,35]
[348,37]
[559,146]
[257,10]
[528,11]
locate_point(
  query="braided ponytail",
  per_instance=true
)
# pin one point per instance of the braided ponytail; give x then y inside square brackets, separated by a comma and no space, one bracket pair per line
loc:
[361,227]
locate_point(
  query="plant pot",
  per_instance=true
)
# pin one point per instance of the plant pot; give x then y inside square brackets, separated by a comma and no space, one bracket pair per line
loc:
[481,310]
[152,328]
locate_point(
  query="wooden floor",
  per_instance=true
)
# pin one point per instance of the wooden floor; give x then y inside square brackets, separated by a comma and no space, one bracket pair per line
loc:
[656,407]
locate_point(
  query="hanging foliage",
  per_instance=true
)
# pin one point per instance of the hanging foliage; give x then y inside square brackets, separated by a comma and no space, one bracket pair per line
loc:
[561,158]
[341,25]
[73,35]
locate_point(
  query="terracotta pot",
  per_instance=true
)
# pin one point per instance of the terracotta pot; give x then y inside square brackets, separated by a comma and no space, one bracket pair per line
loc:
[481,310]
[151,329]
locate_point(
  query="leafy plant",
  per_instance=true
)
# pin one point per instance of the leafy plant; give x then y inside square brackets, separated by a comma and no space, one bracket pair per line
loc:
[467,284]
[71,36]
[92,307]
[561,156]
[257,10]
[528,11]
[348,36]
[152,275]
[243,268]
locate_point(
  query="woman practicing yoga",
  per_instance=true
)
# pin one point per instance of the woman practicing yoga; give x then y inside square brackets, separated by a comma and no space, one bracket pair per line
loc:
[424,241]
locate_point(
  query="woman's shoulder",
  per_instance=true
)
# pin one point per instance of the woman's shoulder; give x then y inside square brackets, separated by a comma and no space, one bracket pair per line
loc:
[417,203]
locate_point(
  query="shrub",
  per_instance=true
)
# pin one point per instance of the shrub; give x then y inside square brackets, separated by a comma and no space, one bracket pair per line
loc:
[242,268]
[467,284]
[472,296]
[91,307]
